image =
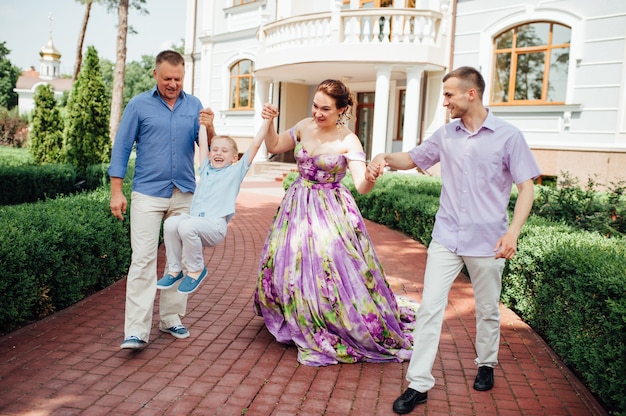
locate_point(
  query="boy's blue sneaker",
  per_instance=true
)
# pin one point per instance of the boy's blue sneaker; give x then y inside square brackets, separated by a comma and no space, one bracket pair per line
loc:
[189,284]
[168,280]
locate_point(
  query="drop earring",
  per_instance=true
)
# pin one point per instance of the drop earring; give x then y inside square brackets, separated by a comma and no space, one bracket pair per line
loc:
[341,121]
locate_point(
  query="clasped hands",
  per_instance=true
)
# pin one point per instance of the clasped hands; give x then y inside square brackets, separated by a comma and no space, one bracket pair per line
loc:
[269,111]
[375,168]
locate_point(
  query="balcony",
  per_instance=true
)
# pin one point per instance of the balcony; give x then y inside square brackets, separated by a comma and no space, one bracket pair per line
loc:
[350,43]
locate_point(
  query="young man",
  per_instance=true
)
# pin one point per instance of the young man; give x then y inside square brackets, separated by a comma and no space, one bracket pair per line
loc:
[481,156]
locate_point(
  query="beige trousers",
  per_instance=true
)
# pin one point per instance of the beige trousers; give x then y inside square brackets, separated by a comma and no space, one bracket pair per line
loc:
[146,216]
[442,268]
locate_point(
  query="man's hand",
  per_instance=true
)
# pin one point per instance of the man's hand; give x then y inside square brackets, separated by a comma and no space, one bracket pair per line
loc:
[375,168]
[118,205]
[506,247]
[206,117]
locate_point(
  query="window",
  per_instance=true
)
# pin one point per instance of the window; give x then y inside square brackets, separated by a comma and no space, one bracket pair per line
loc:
[401,105]
[242,85]
[530,64]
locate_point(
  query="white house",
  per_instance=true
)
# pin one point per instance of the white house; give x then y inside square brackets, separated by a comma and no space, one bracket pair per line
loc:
[554,68]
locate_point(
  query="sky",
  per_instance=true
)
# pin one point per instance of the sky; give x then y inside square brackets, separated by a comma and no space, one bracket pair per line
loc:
[25,28]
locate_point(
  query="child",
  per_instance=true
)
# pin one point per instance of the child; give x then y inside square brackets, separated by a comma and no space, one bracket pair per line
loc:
[212,207]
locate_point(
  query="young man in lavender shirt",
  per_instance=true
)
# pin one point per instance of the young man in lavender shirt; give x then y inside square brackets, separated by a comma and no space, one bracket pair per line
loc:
[481,157]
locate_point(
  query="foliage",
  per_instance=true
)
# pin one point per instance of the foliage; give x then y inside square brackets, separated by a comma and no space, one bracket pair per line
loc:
[57,252]
[13,156]
[569,286]
[13,128]
[138,77]
[30,183]
[8,80]
[588,208]
[87,134]
[46,133]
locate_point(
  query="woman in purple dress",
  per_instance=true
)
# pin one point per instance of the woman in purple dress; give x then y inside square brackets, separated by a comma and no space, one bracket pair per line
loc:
[320,285]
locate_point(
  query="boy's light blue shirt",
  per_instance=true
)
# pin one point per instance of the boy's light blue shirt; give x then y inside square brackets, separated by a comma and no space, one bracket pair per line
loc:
[217,189]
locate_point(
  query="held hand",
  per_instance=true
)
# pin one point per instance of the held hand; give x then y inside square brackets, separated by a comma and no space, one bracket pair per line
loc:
[206,117]
[375,169]
[506,247]
[269,111]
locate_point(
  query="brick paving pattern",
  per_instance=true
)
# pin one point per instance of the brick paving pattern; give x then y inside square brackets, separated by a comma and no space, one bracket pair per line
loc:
[71,364]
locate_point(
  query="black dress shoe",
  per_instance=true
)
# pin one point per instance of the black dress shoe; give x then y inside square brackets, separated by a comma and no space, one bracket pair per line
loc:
[406,403]
[484,379]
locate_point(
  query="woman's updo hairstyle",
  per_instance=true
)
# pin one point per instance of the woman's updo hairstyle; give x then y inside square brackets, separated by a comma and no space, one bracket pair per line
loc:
[339,92]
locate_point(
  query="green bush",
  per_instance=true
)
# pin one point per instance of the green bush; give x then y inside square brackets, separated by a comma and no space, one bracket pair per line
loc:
[569,286]
[57,252]
[30,183]
[13,156]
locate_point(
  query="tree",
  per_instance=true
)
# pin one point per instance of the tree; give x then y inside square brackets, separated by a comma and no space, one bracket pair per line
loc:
[138,77]
[46,132]
[87,134]
[117,96]
[9,74]
[81,38]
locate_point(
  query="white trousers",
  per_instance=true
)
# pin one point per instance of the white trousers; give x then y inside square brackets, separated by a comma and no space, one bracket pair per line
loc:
[442,268]
[185,235]
[146,215]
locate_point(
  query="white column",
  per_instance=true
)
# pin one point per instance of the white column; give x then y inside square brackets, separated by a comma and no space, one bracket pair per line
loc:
[381,110]
[261,93]
[412,107]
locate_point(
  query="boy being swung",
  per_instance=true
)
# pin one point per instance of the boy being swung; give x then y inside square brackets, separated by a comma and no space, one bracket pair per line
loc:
[212,207]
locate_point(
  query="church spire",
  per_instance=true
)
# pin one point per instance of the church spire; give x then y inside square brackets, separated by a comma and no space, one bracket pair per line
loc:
[49,64]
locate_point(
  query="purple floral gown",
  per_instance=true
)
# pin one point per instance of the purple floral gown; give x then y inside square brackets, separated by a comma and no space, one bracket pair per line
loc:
[320,284]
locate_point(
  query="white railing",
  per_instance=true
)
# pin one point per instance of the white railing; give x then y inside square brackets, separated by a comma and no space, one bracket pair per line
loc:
[362,26]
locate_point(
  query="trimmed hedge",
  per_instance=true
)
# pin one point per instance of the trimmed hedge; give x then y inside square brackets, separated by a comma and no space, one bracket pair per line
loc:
[30,183]
[57,252]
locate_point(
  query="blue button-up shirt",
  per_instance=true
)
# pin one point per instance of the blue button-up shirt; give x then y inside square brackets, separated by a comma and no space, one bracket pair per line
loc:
[164,141]
[477,171]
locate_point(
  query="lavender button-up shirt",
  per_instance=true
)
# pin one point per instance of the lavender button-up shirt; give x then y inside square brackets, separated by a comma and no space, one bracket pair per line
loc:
[477,171]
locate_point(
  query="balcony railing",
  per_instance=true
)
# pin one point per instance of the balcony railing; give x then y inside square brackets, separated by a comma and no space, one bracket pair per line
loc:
[362,26]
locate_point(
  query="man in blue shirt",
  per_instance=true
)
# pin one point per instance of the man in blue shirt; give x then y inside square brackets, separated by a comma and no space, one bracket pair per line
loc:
[162,124]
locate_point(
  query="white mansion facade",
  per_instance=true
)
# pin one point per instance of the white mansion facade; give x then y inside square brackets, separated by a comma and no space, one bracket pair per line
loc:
[554,68]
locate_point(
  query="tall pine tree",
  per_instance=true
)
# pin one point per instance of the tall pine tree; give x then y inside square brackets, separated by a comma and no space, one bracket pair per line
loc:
[87,139]
[46,132]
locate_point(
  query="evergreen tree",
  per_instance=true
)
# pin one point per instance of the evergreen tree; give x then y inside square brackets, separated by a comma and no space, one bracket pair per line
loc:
[87,136]
[9,74]
[46,133]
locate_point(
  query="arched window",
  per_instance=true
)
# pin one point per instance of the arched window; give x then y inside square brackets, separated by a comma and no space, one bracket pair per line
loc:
[242,85]
[530,64]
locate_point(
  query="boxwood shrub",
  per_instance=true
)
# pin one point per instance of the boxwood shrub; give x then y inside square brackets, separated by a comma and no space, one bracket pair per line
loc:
[57,252]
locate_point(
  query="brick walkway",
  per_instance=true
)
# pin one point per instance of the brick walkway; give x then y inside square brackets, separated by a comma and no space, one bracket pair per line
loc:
[71,363]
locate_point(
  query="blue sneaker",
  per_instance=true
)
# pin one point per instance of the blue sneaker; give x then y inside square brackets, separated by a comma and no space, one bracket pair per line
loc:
[189,284]
[177,331]
[168,280]
[133,343]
